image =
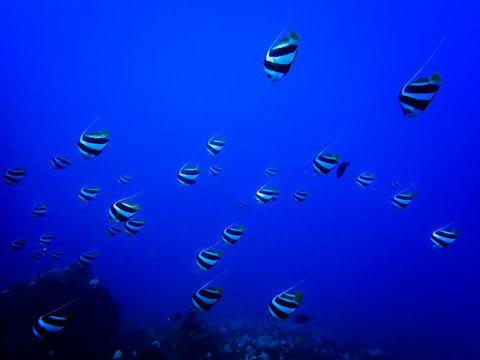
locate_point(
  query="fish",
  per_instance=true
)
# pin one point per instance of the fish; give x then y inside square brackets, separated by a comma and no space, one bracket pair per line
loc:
[175,317]
[38,254]
[242,205]
[45,240]
[402,199]
[215,145]
[60,162]
[271,171]
[300,195]
[302,318]
[50,324]
[276,194]
[365,179]
[87,258]
[13,176]
[232,234]
[113,230]
[56,254]
[283,305]
[88,193]
[395,185]
[264,194]
[324,163]
[215,170]
[280,57]
[134,226]
[121,211]
[342,167]
[92,144]
[188,175]
[17,244]
[204,298]
[206,259]
[416,95]
[124,179]
[444,237]
[39,210]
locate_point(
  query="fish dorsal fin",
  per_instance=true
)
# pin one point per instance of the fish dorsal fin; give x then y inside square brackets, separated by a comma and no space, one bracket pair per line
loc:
[197,167]
[294,36]
[105,133]
[430,58]
[421,80]
[281,41]
[436,77]
[219,252]
[127,203]
[94,133]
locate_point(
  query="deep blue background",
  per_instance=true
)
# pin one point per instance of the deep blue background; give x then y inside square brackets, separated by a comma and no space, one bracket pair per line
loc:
[165,77]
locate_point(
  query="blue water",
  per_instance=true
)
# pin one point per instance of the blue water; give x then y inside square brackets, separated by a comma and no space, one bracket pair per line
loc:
[165,77]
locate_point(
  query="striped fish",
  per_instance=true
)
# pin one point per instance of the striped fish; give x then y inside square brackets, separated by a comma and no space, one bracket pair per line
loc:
[242,205]
[13,176]
[134,226]
[207,258]
[39,210]
[232,234]
[124,179]
[280,57]
[56,254]
[324,163]
[87,193]
[416,95]
[50,324]
[17,244]
[188,175]
[265,194]
[300,195]
[205,298]
[45,240]
[87,258]
[365,179]
[272,170]
[215,170]
[214,146]
[395,185]
[444,237]
[113,230]
[38,254]
[121,211]
[402,199]
[60,162]
[92,144]
[283,305]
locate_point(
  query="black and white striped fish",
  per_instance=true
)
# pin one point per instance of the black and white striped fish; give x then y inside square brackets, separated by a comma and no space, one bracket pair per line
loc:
[206,297]
[50,324]
[134,226]
[402,199]
[39,210]
[121,211]
[87,258]
[56,254]
[215,170]
[17,244]
[87,193]
[280,57]
[188,175]
[271,171]
[283,305]
[60,162]
[92,144]
[45,240]
[232,234]
[395,185]
[300,195]
[13,176]
[264,194]
[38,254]
[124,179]
[206,259]
[324,163]
[215,145]
[444,237]
[416,95]
[113,230]
[242,205]
[365,179]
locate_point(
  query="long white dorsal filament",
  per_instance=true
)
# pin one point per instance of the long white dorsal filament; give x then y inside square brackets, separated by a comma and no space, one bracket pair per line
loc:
[430,58]
[290,288]
[93,122]
[61,307]
[332,143]
[140,192]
[214,279]
[193,157]
[408,187]
[217,243]
[284,27]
